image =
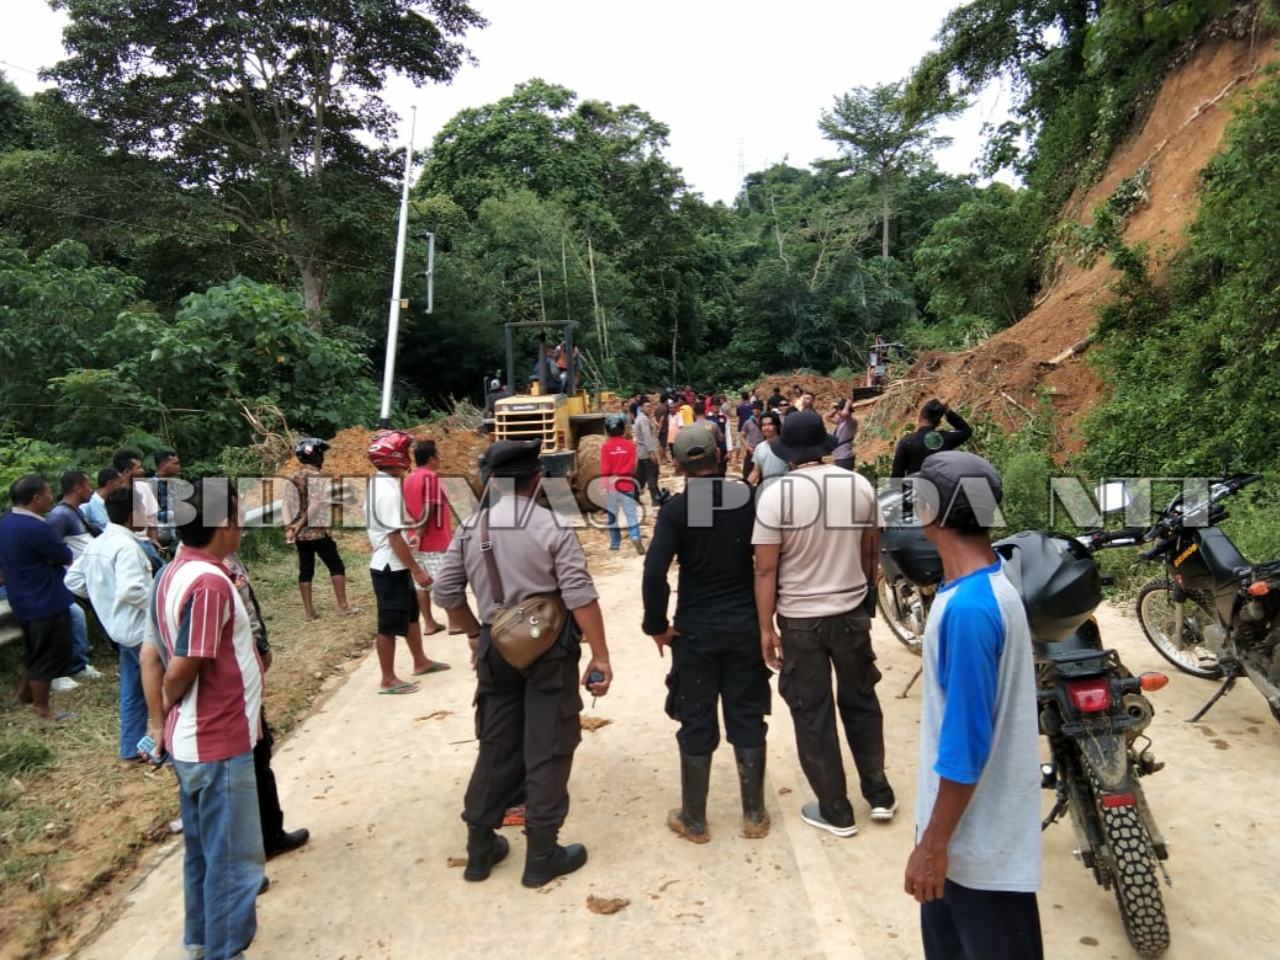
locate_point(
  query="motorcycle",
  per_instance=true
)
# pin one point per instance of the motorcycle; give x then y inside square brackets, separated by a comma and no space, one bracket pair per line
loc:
[1093,711]
[910,572]
[1212,613]
[1094,714]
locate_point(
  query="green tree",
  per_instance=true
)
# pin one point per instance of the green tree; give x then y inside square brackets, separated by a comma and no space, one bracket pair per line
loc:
[623,203]
[978,261]
[881,134]
[16,127]
[268,107]
[242,341]
[57,312]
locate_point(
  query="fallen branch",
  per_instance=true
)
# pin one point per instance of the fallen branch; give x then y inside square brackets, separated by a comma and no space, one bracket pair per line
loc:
[1074,350]
[1018,405]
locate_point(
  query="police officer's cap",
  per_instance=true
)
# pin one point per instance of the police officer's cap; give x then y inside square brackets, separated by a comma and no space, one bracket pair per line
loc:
[513,458]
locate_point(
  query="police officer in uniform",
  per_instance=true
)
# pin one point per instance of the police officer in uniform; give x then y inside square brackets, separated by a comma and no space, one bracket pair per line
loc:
[526,720]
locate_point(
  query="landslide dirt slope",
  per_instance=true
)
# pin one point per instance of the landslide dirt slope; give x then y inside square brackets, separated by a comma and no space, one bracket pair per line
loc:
[1181,133]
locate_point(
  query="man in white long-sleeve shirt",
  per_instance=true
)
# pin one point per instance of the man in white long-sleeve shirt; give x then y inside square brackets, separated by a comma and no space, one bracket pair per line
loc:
[115,575]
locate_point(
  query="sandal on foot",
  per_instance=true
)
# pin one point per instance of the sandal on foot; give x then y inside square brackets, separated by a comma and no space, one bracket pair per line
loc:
[399,690]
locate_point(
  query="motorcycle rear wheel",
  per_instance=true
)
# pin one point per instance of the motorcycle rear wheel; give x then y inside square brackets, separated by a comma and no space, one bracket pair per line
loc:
[1157,613]
[1137,887]
[898,623]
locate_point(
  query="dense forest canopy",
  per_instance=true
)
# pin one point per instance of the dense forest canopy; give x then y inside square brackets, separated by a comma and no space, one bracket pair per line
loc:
[202,212]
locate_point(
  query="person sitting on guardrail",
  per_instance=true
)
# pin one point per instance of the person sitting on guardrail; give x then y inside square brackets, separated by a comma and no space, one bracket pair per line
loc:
[33,557]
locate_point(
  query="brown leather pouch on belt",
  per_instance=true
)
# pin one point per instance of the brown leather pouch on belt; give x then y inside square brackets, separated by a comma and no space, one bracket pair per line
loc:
[524,632]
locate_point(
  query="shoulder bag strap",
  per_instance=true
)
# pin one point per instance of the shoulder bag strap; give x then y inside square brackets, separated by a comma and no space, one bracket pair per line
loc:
[486,548]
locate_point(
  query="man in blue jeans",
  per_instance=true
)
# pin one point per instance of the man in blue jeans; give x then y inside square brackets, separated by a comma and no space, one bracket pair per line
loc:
[115,575]
[212,699]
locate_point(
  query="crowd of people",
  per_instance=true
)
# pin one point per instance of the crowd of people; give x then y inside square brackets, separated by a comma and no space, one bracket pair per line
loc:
[759,592]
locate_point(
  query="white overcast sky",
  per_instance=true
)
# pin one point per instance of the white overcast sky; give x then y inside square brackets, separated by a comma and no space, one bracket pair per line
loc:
[729,80]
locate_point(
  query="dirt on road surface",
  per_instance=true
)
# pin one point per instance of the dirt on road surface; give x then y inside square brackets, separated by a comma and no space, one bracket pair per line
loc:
[379,782]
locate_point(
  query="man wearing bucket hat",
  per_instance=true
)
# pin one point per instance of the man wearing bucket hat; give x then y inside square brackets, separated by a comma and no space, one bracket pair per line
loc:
[976,865]
[527,719]
[816,540]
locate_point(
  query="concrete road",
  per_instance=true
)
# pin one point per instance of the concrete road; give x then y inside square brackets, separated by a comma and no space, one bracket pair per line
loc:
[379,782]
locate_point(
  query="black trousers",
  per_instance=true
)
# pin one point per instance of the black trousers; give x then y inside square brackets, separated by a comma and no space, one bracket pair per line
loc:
[268,798]
[811,648]
[528,727]
[647,476]
[725,669]
[969,924]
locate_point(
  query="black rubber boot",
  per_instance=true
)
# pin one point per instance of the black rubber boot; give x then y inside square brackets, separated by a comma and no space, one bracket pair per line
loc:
[690,821]
[484,849]
[545,859]
[755,818]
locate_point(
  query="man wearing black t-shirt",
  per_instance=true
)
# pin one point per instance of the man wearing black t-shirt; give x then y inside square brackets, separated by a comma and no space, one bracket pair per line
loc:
[715,638]
[915,448]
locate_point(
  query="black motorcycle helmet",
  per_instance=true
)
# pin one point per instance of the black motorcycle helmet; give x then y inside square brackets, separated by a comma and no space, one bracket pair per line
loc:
[1057,578]
[310,450]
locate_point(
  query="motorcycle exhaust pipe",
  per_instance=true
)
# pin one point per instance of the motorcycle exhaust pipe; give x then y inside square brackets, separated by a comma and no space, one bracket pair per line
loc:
[1139,708]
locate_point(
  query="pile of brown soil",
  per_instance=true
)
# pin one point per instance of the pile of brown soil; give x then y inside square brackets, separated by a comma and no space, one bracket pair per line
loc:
[826,391]
[460,447]
[1004,378]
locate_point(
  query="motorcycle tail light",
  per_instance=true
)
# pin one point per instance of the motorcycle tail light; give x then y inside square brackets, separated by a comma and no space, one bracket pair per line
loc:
[1089,696]
[1259,589]
[1153,681]
[1119,800]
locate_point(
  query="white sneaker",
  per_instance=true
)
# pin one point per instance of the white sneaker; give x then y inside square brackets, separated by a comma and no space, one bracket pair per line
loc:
[811,813]
[63,685]
[884,814]
[90,672]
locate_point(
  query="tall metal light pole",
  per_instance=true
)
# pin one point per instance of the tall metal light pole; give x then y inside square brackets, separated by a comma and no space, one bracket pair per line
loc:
[393,321]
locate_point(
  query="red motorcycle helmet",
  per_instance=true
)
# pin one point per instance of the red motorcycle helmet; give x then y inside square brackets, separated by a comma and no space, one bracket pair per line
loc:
[390,449]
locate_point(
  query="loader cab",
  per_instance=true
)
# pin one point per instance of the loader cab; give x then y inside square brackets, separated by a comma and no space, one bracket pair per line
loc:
[545,408]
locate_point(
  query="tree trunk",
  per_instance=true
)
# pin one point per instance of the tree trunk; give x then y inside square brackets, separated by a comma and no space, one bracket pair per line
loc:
[884,230]
[312,290]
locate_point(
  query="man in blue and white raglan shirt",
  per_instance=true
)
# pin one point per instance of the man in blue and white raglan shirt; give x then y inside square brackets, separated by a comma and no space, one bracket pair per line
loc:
[976,865]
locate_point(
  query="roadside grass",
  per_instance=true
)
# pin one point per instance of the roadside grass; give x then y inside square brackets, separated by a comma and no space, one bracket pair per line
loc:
[74,823]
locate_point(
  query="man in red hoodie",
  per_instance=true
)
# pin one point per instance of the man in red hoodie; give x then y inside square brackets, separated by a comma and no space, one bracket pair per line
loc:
[617,465]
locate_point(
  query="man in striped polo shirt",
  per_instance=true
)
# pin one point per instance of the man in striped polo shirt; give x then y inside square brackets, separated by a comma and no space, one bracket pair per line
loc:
[213,702]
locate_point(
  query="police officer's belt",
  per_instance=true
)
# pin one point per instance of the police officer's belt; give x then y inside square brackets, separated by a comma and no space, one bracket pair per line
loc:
[524,632]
